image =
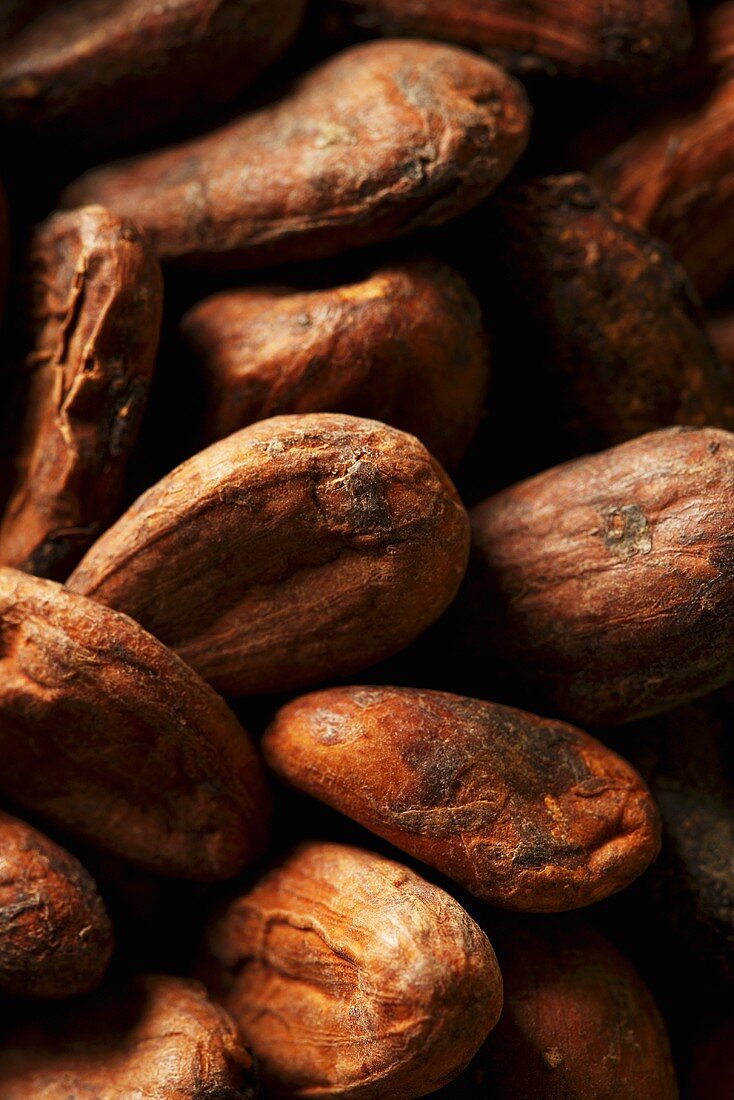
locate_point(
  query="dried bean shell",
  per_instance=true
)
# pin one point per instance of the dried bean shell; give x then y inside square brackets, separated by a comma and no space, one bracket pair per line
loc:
[150,1038]
[107,734]
[55,935]
[377,141]
[350,976]
[312,546]
[524,812]
[94,300]
[607,583]
[404,346]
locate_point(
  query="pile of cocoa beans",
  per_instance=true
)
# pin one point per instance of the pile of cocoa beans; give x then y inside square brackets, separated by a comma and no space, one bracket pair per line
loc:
[367,550]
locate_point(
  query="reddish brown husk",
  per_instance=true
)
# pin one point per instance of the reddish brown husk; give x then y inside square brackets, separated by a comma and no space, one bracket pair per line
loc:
[350,976]
[106,733]
[404,346]
[99,74]
[606,320]
[151,1036]
[675,177]
[55,935]
[631,42]
[312,546]
[578,1022]
[525,812]
[93,299]
[377,141]
[607,584]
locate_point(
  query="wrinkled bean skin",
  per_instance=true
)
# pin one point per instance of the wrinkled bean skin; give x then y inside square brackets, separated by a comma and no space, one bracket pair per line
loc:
[578,1022]
[104,73]
[632,42]
[607,584]
[350,976]
[379,140]
[607,319]
[524,812]
[55,934]
[331,542]
[151,1037]
[404,346]
[94,300]
[108,735]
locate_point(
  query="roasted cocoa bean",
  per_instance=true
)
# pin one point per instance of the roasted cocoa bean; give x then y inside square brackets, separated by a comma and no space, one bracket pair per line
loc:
[605,322]
[607,583]
[107,734]
[55,934]
[331,542]
[578,1022]
[350,976]
[377,141]
[93,302]
[675,177]
[405,346]
[102,73]
[525,812]
[151,1036]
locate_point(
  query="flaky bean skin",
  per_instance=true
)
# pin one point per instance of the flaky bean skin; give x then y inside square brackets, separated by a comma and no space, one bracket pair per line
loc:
[351,977]
[150,1037]
[93,296]
[524,812]
[330,543]
[55,934]
[377,141]
[104,73]
[606,584]
[404,346]
[107,734]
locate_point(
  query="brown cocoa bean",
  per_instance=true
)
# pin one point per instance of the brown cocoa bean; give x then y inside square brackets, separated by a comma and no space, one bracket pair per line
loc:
[93,299]
[632,42]
[578,1022]
[151,1037]
[312,545]
[525,812]
[350,976]
[608,582]
[377,141]
[607,318]
[55,935]
[101,73]
[675,177]
[107,734]
[404,346]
